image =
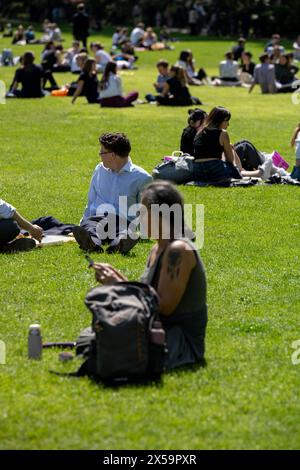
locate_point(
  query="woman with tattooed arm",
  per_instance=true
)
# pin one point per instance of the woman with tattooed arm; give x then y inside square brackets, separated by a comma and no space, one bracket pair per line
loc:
[175,270]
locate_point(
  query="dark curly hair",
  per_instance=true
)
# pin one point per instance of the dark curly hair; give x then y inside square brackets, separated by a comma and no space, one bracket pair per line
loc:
[116,142]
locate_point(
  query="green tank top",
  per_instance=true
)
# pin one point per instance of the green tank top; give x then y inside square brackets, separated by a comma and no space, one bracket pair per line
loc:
[191,312]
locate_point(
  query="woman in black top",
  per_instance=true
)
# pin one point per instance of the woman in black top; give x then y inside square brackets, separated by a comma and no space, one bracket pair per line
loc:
[195,121]
[30,76]
[88,84]
[215,159]
[175,92]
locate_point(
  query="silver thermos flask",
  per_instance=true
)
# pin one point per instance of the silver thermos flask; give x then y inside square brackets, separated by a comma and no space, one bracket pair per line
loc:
[35,342]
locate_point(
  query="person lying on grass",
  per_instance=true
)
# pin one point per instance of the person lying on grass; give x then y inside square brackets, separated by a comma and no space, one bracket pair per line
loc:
[11,223]
[176,271]
[106,217]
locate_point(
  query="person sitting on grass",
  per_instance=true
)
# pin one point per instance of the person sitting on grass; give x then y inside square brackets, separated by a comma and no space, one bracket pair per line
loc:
[19,37]
[264,75]
[175,269]
[239,49]
[111,89]
[137,35]
[187,62]
[212,139]
[229,69]
[163,75]
[116,176]
[296,49]
[11,223]
[30,76]
[215,159]
[101,56]
[195,121]
[285,74]
[88,84]
[175,91]
[295,142]
[247,66]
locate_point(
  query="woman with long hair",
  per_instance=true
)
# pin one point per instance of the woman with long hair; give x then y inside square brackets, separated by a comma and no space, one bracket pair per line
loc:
[215,158]
[195,121]
[187,62]
[111,89]
[175,91]
[175,269]
[88,84]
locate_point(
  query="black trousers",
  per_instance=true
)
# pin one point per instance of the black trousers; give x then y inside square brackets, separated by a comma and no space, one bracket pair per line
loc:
[9,229]
[106,229]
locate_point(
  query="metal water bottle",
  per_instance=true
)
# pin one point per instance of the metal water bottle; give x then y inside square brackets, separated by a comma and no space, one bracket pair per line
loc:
[35,342]
[158,334]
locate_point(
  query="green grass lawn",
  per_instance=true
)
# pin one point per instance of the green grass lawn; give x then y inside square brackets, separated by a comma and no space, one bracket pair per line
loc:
[248,395]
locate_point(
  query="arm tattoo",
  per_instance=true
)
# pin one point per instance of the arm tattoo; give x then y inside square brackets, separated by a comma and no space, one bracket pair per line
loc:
[174,261]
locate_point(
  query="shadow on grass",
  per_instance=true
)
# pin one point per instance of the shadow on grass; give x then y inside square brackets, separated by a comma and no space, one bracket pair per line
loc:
[135,383]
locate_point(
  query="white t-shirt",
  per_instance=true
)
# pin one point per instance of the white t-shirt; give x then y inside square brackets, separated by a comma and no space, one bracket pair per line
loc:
[136,35]
[114,87]
[74,66]
[297,146]
[102,57]
[296,48]
[6,210]
[229,69]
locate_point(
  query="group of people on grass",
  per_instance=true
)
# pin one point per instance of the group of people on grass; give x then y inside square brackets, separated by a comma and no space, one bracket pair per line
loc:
[276,73]
[174,267]
[173,263]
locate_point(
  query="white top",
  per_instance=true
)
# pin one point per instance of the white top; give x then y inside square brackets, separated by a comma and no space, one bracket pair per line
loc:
[229,69]
[190,72]
[74,66]
[116,38]
[297,146]
[270,50]
[7,211]
[136,35]
[102,57]
[114,87]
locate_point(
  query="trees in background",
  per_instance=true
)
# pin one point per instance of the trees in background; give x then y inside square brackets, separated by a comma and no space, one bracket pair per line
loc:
[223,17]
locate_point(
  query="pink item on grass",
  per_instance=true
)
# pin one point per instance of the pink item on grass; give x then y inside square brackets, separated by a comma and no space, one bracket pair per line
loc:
[279,161]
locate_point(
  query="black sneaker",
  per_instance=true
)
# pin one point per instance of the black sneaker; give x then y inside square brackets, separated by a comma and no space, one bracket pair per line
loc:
[21,244]
[122,245]
[84,239]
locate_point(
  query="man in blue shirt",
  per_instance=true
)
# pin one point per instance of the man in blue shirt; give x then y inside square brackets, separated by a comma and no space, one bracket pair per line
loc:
[115,188]
[10,223]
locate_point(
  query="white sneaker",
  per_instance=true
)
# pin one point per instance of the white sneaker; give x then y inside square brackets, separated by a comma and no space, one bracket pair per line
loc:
[266,169]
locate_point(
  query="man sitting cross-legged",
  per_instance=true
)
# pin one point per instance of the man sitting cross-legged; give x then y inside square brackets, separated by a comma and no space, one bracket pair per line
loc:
[10,224]
[106,216]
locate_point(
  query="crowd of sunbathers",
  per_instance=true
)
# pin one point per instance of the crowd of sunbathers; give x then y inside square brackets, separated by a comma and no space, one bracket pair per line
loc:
[276,72]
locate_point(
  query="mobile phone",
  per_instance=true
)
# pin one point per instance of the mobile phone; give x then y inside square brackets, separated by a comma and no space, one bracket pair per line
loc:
[89,260]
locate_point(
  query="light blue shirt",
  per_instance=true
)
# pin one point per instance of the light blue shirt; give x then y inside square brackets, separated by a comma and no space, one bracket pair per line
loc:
[107,186]
[7,211]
